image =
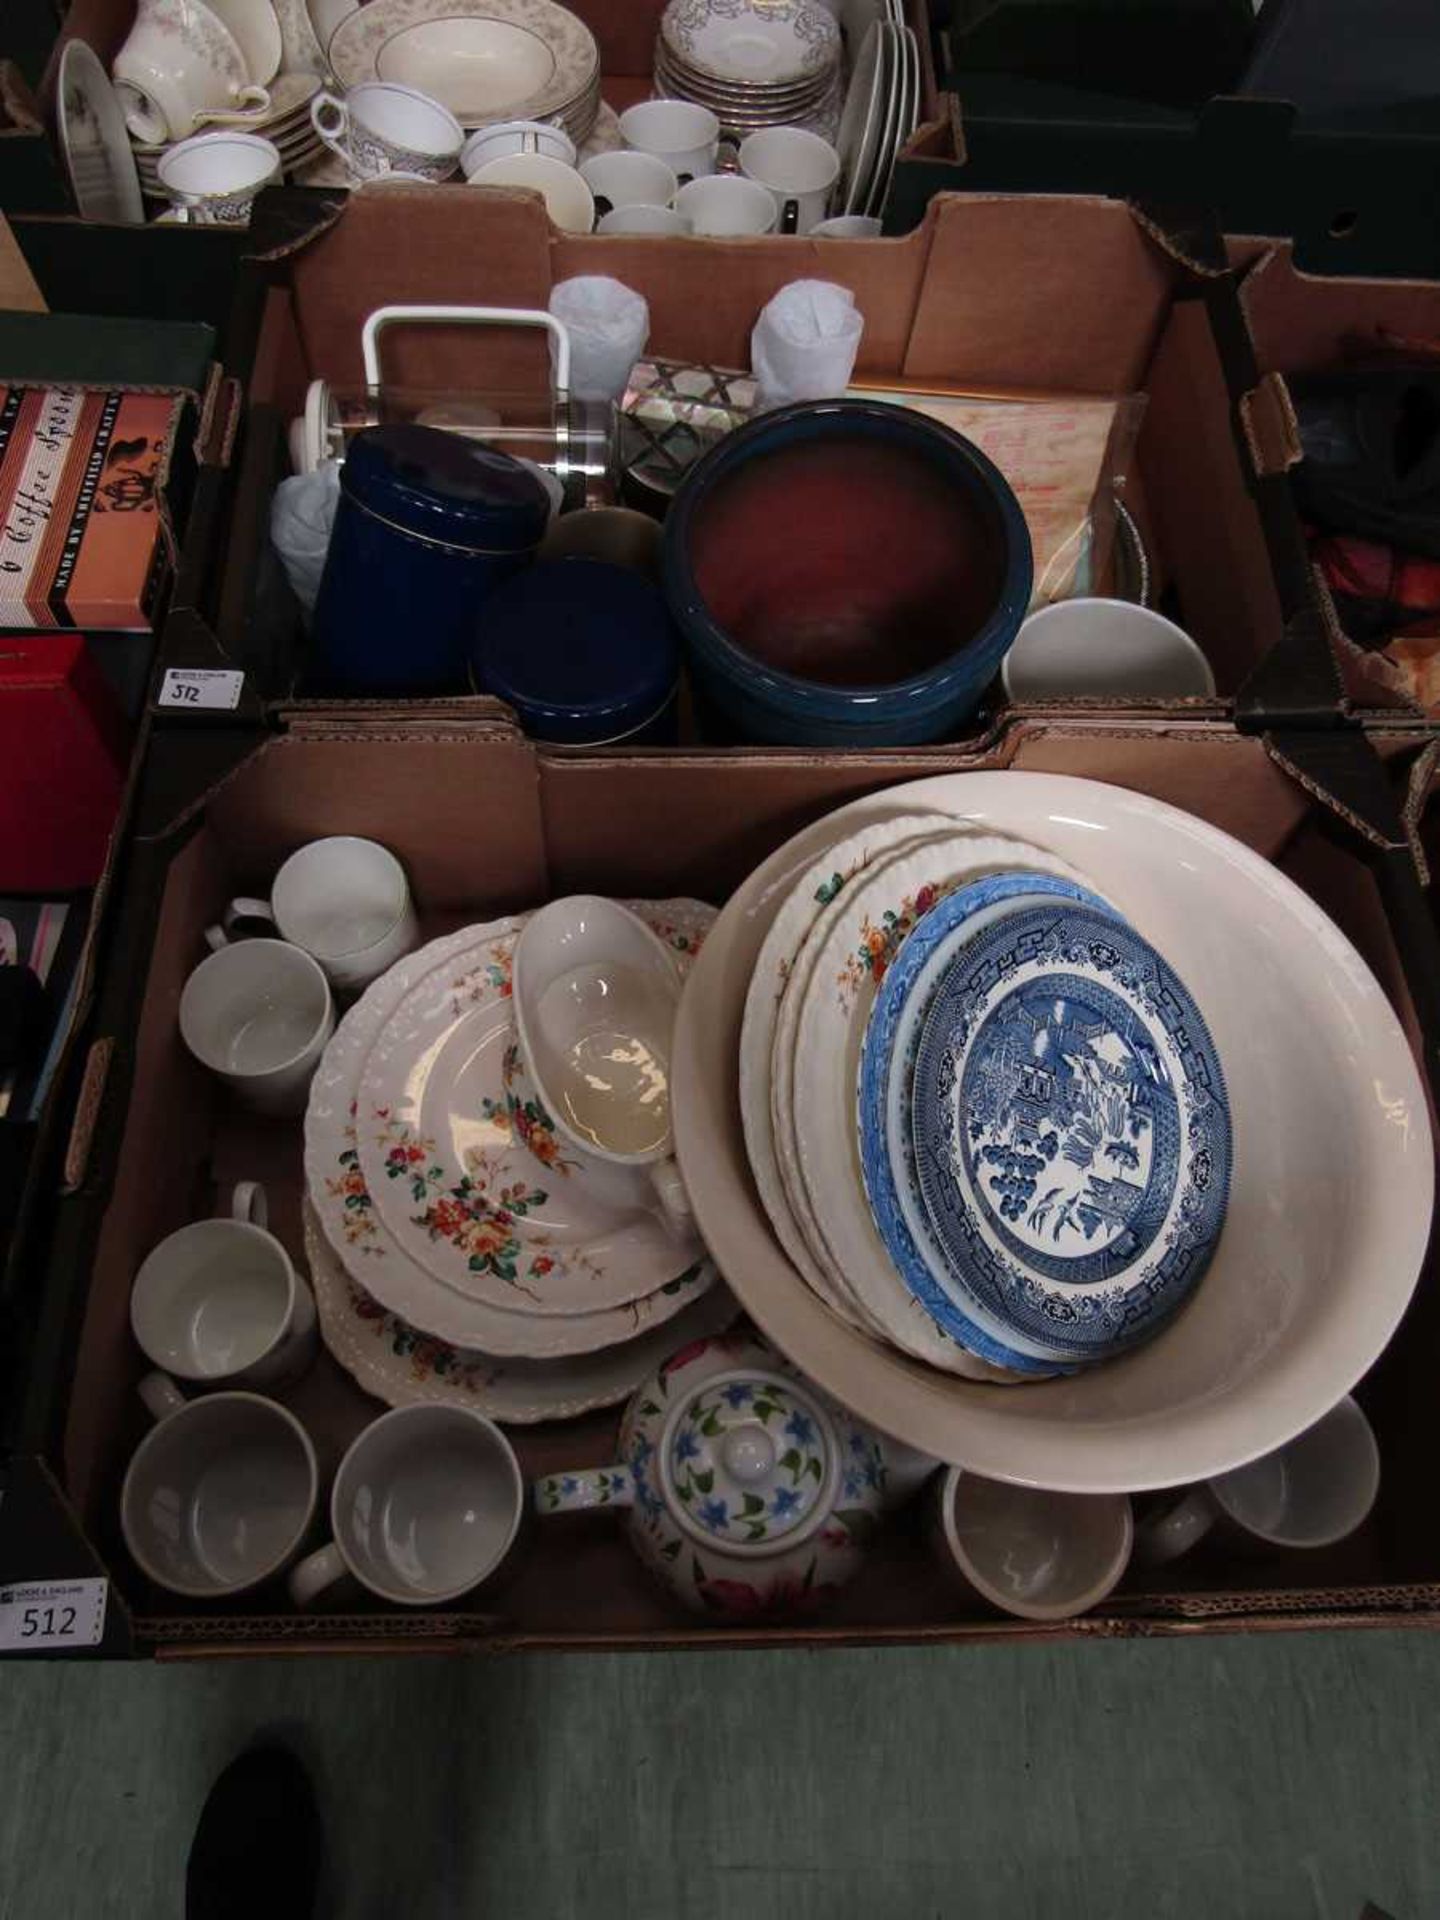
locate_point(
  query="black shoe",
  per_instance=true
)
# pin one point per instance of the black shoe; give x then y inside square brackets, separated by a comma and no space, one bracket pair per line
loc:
[256,1851]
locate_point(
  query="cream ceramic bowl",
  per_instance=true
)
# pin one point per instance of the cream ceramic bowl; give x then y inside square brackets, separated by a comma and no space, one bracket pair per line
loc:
[1330,1200]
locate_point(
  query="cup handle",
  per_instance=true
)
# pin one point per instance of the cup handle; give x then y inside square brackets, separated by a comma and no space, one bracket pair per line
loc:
[1165,1536]
[161,1395]
[252,101]
[318,1570]
[790,217]
[675,1209]
[330,118]
[248,1204]
[585,1490]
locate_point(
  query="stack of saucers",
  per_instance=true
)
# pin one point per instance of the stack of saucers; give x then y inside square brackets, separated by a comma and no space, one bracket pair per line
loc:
[286,124]
[458,1250]
[754,63]
[985,1116]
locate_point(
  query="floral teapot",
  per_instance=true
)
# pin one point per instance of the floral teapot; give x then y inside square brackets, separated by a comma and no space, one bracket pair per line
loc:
[744,1489]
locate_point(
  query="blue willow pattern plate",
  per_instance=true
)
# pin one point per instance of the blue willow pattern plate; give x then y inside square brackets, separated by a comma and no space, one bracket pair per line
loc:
[886,1069]
[1072,1135]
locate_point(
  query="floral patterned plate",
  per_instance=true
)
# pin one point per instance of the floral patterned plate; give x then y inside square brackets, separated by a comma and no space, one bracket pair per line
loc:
[346,1209]
[849,964]
[403,1367]
[1071,1130]
[760,43]
[774,992]
[470,1176]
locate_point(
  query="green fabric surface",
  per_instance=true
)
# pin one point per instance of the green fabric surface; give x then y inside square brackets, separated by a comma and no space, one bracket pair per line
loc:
[1271,1776]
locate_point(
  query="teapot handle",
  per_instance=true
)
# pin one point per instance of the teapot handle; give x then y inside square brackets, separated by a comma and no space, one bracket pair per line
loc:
[584,1490]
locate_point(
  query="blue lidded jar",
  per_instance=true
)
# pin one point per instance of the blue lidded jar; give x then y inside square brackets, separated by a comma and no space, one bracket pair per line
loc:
[584,651]
[428,525]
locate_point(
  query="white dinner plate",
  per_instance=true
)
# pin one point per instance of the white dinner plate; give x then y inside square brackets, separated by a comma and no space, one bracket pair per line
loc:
[863,120]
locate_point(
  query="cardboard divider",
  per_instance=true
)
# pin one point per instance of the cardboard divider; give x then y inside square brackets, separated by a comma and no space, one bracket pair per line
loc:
[970,299]
[486,826]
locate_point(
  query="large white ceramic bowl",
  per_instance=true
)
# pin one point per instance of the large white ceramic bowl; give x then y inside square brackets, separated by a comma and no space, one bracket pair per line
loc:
[1330,1199]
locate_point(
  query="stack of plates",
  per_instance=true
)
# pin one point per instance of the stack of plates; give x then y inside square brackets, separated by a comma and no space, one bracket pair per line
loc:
[1034,1175]
[457,1253]
[486,60]
[882,110]
[754,63]
[287,124]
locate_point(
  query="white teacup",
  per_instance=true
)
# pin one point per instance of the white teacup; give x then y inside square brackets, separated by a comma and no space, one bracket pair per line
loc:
[684,135]
[1103,649]
[629,180]
[1020,1550]
[643,219]
[258,1014]
[727,205]
[426,1505]
[516,136]
[848,226]
[568,200]
[218,1301]
[213,178]
[799,169]
[595,995]
[178,61]
[220,1495]
[345,901]
[380,127]
[1313,1492]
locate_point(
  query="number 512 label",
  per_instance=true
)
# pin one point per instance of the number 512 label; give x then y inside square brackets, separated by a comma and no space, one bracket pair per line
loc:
[48,1614]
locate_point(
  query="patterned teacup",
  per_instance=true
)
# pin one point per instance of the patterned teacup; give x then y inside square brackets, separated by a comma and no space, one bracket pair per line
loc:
[379,127]
[213,178]
[180,59]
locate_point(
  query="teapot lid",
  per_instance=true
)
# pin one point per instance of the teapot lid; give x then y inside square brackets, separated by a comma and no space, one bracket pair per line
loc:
[749,1462]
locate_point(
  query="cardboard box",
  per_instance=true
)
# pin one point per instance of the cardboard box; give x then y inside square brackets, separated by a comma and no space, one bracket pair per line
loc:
[972,297]
[485,824]
[1300,323]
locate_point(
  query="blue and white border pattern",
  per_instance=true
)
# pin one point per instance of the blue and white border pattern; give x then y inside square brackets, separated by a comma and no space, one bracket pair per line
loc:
[932,1285]
[1046,945]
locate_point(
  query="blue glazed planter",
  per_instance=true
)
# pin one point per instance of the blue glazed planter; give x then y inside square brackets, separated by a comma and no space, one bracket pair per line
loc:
[427,527]
[846,573]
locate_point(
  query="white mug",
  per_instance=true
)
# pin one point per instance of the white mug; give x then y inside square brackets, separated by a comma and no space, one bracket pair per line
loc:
[380,127]
[426,1505]
[848,226]
[220,1495]
[516,136]
[345,901]
[218,1301]
[682,134]
[1023,1551]
[258,1015]
[643,219]
[629,180]
[1312,1492]
[1103,649]
[177,61]
[568,200]
[799,169]
[727,205]
[213,178]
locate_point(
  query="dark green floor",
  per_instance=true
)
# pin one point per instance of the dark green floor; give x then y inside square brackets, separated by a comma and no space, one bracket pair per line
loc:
[1276,1776]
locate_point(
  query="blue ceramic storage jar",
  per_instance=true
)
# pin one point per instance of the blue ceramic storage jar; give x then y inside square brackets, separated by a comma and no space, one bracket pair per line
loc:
[427,526]
[583,650]
[845,573]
